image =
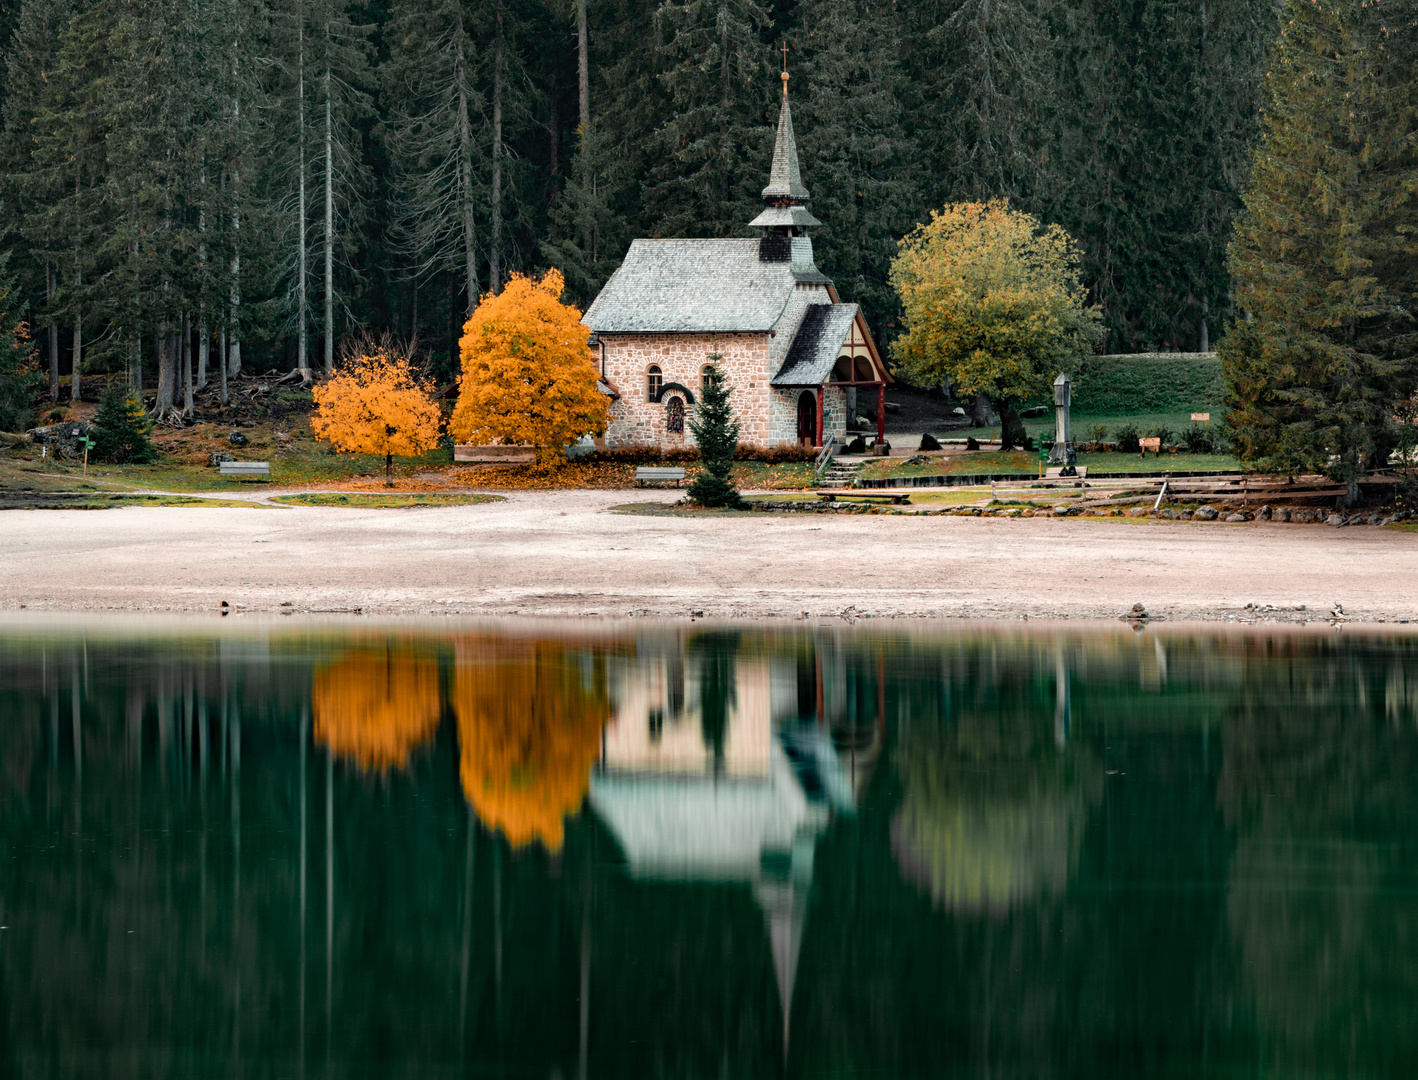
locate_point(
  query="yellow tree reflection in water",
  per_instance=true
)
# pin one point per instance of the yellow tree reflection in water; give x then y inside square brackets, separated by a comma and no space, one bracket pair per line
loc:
[530,715]
[377,706]
[994,812]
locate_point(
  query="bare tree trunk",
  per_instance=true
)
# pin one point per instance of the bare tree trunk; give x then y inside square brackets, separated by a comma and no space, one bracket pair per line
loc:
[204,347]
[583,87]
[495,263]
[75,393]
[724,100]
[226,399]
[234,296]
[187,403]
[583,69]
[53,336]
[465,184]
[166,372]
[553,133]
[329,233]
[302,349]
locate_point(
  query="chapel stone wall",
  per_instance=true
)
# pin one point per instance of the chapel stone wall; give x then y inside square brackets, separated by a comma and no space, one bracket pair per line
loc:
[783,414]
[681,358]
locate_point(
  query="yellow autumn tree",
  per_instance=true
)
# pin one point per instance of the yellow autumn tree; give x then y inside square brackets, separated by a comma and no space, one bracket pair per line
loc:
[993,302]
[377,404]
[528,377]
[529,731]
[377,706]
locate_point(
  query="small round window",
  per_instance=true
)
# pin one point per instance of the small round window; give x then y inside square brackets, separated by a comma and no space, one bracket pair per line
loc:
[654,380]
[674,415]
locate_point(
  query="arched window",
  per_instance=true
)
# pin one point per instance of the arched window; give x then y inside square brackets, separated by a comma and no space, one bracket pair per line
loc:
[704,378]
[654,380]
[674,415]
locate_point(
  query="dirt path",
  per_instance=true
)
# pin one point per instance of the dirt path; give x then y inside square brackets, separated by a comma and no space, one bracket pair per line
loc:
[559,553]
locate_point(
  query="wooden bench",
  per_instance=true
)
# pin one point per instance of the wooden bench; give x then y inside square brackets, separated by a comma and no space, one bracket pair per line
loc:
[650,474]
[245,468]
[832,496]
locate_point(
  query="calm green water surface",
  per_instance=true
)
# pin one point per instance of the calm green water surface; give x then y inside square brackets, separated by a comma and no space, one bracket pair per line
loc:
[543,850]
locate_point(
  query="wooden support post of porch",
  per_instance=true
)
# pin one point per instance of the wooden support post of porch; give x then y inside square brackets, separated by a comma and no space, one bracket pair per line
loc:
[821,403]
[880,412]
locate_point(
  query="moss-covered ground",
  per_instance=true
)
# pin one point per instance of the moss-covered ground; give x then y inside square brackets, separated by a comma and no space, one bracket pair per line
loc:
[1021,463]
[395,500]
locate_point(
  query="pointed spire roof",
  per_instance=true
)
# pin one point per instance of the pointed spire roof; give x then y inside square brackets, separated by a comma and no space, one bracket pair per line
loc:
[785,181]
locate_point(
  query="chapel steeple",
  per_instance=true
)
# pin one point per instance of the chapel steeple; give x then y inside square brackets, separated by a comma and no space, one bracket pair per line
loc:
[785,214]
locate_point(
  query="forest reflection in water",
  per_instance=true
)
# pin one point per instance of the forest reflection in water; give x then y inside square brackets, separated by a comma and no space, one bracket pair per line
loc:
[601,849]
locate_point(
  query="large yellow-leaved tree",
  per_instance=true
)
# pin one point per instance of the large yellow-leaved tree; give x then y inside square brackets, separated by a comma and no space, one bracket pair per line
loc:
[377,404]
[528,377]
[994,303]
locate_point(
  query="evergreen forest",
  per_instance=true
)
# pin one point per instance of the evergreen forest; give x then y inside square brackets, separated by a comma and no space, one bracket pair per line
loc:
[244,184]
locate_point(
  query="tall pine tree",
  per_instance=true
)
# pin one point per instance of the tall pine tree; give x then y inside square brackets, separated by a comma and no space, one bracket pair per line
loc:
[713,145]
[861,167]
[1323,256]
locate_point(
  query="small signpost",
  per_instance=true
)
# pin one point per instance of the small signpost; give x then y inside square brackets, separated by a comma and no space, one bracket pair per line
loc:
[88,445]
[1155,445]
[1201,418]
[1043,457]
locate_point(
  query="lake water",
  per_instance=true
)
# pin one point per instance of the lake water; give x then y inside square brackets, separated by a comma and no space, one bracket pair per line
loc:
[688,850]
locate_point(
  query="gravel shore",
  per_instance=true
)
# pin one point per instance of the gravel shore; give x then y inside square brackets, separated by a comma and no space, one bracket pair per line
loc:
[563,553]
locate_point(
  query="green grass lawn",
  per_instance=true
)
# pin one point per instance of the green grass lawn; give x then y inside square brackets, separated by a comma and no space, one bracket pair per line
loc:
[105,500]
[297,466]
[1082,423]
[390,501]
[1021,463]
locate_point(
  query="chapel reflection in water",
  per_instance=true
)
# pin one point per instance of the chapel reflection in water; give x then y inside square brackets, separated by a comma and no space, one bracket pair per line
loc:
[661,851]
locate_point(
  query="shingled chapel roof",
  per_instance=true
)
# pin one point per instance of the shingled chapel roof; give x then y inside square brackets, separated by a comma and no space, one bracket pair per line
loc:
[817,345]
[692,287]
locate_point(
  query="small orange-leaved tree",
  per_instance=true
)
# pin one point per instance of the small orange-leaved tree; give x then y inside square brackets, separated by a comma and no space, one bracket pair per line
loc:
[528,377]
[377,404]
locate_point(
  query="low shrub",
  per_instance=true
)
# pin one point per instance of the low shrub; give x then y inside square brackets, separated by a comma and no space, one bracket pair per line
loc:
[644,455]
[651,455]
[1096,432]
[1163,432]
[1127,436]
[1197,440]
[775,455]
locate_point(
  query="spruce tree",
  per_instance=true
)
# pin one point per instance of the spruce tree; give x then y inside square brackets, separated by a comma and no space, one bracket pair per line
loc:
[716,431]
[588,237]
[340,70]
[981,79]
[30,189]
[847,83]
[20,379]
[711,151]
[1147,139]
[120,428]
[1323,256]
[434,133]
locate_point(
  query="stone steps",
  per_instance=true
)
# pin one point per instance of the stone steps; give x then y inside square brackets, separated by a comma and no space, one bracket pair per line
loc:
[841,474]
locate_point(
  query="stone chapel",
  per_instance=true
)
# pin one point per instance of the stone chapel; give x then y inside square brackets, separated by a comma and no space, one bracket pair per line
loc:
[794,354]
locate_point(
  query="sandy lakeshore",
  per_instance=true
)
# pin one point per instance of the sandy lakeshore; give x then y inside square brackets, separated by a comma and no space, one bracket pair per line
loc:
[562,553]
